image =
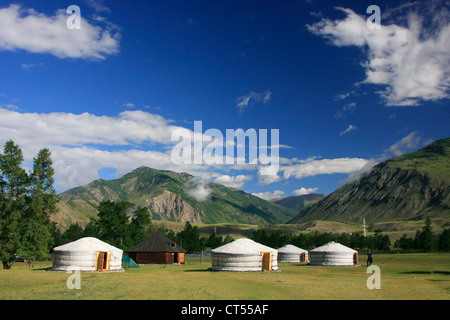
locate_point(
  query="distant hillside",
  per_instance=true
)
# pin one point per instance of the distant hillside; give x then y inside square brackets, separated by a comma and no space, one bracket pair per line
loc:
[298,203]
[411,186]
[171,196]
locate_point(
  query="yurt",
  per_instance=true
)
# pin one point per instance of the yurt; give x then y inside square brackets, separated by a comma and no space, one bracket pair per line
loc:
[291,253]
[88,254]
[244,255]
[333,254]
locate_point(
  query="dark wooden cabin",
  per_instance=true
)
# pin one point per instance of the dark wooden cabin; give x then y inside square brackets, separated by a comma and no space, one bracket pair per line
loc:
[157,249]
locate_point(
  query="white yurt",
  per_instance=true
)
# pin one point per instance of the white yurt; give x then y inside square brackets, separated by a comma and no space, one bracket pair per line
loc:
[244,255]
[87,254]
[291,253]
[333,254]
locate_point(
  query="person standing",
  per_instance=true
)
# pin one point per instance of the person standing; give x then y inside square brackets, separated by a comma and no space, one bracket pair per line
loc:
[369,258]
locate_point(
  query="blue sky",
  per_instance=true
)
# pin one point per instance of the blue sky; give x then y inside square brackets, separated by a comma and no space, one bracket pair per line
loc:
[106,98]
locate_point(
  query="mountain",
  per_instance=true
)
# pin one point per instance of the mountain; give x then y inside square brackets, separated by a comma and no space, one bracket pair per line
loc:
[412,186]
[298,203]
[177,197]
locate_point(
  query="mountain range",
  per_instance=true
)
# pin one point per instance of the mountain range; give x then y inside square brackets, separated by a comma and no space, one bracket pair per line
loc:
[175,197]
[412,186]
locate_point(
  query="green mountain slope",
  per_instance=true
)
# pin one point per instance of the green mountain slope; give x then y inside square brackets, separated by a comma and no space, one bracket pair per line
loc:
[171,196]
[411,186]
[298,203]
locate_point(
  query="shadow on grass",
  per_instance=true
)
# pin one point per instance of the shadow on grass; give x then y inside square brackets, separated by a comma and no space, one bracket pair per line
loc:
[427,272]
[199,270]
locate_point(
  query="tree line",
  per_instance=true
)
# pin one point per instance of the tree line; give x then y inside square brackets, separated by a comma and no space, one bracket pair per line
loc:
[426,240]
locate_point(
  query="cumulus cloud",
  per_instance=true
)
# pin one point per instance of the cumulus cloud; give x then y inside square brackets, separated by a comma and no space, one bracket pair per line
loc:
[323,166]
[269,195]
[410,61]
[234,182]
[83,144]
[198,189]
[80,142]
[302,191]
[26,29]
[78,129]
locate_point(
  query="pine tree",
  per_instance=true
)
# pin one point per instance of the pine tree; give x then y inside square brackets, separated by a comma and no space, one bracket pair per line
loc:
[113,223]
[428,241]
[13,182]
[36,233]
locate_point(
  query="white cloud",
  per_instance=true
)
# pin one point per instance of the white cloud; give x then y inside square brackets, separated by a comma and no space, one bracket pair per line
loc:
[198,189]
[411,61]
[407,144]
[98,5]
[349,129]
[28,66]
[129,105]
[83,144]
[257,97]
[71,137]
[302,191]
[324,166]
[234,182]
[26,29]
[79,129]
[269,195]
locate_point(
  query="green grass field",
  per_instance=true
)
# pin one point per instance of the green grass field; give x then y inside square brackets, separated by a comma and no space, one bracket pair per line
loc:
[403,276]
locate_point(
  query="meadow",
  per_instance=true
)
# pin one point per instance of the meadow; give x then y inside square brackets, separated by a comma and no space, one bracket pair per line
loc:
[403,277]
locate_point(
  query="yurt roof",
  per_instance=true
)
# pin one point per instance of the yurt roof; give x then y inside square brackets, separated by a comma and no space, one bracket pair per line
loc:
[333,247]
[157,242]
[242,246]
[87,244]
[289,248]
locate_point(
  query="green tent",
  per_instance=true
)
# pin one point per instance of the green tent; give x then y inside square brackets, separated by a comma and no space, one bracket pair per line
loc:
[127,262]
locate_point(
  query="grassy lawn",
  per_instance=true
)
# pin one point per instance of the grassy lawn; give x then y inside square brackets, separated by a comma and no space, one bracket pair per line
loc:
[403,276]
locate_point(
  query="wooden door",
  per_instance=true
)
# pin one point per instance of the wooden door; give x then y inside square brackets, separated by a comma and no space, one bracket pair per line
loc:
[266,261]
[355,258]
[100,260]
[302,257]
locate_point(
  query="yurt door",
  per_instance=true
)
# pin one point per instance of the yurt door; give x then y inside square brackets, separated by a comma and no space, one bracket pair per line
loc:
[302,257]
[355,258]
[102,261]
[266,261]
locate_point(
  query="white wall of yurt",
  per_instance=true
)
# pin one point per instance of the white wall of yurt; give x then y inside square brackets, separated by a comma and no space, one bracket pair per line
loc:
[83,255]
[291,253]
[243,255]
[333,254]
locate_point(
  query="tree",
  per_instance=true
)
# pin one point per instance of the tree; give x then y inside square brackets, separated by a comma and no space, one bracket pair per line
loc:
[112,222]
[36,233]
[425,239]
[140,225]
[214,241]
[404,243]
[190,238]
[13,182]
[444,240]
